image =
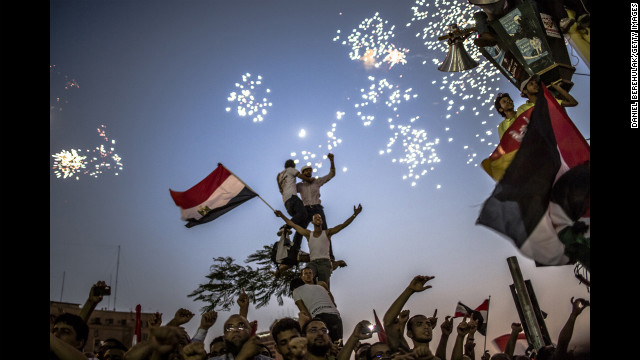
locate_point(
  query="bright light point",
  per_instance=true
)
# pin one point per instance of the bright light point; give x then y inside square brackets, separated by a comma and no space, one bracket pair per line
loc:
[344,169]
[438,186]
[302,133]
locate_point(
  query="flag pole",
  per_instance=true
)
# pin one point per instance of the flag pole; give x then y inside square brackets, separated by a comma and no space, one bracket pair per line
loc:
[487,322]
[249,187]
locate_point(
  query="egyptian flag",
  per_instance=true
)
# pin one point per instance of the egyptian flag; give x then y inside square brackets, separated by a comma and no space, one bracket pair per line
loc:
[501,342]
[480,313]
[212,197]
[545,190]
[137,331]
[382,335]
[498,162]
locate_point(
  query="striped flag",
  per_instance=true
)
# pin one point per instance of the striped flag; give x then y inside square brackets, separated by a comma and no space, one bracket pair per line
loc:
[501,342]
[382,335]
[498,162]
[542,202]
[212,197]
[480,313]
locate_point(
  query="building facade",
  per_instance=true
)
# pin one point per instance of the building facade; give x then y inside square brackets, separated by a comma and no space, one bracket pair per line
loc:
[104,324]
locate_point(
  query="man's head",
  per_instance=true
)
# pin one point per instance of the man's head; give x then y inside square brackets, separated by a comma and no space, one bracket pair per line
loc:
[379,351]
[362,351]
[530,87]
[108,344]
[317,334]
[500,356]
[296,283]
[503,103]
[71,329]
[419,329]
[307,275]
[289,163]
[307,170]
[115,353]
[283,331]
[316,219]
[237,331]
[217,347]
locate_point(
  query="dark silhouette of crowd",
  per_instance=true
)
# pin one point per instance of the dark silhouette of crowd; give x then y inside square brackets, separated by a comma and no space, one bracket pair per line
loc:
[308,337]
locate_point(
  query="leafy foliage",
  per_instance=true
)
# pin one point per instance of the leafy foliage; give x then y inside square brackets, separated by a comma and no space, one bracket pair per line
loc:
[227,279]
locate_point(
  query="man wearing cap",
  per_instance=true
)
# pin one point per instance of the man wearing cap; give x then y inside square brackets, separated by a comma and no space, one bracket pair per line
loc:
[530,89]
[310,194]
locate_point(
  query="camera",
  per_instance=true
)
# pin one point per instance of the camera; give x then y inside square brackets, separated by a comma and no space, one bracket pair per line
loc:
[370,329]
[102,290]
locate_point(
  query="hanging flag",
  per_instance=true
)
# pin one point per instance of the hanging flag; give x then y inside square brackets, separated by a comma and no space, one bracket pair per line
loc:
[382,335]
[480,313]
[498,162]
[501,341]
[521,205]
[212,197]
[138,331]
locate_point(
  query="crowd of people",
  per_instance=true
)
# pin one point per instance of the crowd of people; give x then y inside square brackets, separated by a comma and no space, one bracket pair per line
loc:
[318,331]
[315,335]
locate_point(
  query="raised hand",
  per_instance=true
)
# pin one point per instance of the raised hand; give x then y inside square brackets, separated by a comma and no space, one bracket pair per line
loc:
[208,319]
[463,327]
[579,305]
[155,321]
[447,325]
[417,284]
[434,319]
[182,316]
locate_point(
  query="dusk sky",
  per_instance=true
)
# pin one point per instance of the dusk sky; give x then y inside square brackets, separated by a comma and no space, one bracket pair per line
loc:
[159,85]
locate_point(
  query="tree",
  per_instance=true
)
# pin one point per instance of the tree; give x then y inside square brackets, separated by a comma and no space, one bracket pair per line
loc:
[227,280]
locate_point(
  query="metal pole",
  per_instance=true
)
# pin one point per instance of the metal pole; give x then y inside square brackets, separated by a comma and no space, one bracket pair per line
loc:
[248,187]
[525,303]
[116,290]
[62,290]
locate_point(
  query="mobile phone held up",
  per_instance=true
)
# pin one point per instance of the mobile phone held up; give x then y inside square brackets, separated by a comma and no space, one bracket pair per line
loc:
[102,291]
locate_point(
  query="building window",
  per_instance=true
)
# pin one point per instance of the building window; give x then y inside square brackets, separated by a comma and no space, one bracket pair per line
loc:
[95,321]
[123,322]
[109,321]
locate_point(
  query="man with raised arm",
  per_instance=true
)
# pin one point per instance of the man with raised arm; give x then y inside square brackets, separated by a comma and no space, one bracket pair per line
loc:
[319,242]
[419,327]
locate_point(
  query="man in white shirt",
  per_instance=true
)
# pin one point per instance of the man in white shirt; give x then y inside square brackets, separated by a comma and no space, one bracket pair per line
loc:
[317,303]
[319,241]
[310,194]
[287,186]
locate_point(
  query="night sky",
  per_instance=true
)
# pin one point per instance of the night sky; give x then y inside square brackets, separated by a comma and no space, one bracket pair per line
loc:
[153,82]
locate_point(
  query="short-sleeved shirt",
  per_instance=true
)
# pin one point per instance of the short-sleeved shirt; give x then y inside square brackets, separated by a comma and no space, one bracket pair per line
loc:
[316,299]
[287,182]
[310,192]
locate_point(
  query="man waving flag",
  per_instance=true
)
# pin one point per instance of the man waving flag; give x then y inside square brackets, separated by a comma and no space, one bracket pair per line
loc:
[212,197]
[542,202]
